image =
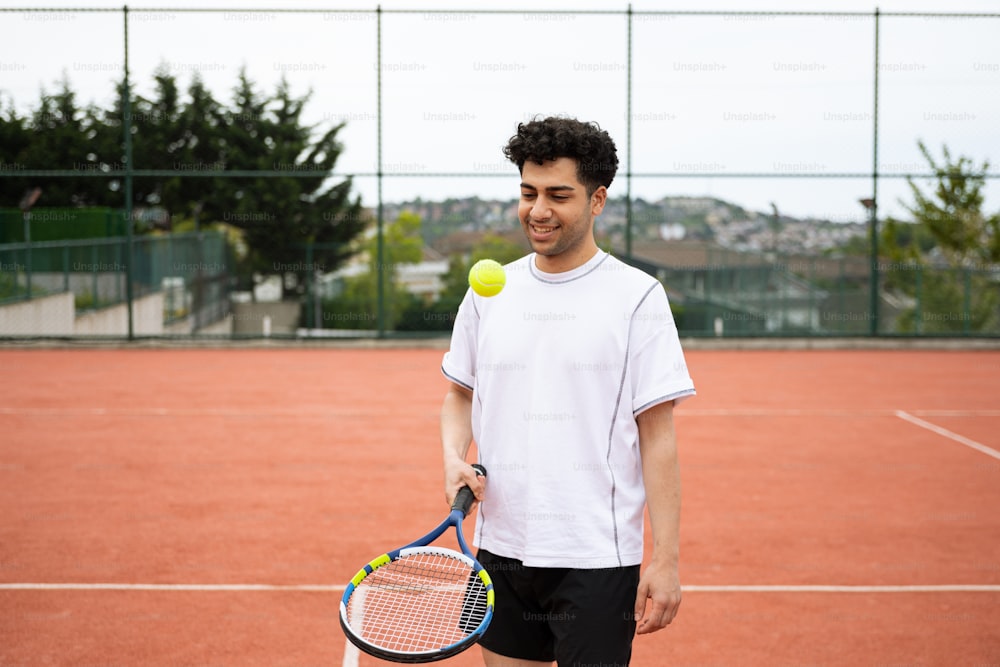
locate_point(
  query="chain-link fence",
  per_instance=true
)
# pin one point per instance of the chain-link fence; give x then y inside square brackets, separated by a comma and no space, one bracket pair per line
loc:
[176,284]
[821,108]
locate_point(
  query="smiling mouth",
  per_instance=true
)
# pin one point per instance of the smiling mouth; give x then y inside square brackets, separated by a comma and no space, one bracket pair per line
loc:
[542,231]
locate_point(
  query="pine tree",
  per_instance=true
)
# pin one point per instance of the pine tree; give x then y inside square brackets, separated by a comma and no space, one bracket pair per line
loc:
[953,215]
[15,137]
[278,218]
[58,134]
[945,259]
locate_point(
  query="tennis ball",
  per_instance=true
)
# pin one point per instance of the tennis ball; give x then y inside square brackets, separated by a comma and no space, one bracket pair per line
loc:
[487,277]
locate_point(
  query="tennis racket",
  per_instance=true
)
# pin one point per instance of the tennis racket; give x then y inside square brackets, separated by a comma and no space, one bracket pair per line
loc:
[420,603]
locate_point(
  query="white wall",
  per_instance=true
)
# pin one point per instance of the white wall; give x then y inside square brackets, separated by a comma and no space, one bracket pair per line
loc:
[55,315]
[43,316]
[147,319]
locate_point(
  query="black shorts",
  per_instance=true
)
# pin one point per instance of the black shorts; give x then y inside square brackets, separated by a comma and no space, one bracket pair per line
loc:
[576,617]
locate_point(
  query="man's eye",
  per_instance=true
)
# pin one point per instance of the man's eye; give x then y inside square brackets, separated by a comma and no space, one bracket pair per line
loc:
[527,195]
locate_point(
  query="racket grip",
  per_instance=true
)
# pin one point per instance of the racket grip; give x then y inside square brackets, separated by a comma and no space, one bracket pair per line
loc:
[464,497]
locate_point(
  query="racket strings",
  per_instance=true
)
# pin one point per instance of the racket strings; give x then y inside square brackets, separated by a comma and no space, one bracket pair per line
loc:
[419,602]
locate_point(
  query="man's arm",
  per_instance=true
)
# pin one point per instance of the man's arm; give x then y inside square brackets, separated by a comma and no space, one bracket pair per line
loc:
[660,582]
[456,436]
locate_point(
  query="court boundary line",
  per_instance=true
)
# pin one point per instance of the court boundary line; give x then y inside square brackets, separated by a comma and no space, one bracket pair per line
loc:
[950,344]
[154,411]
[940,430]
[339,588]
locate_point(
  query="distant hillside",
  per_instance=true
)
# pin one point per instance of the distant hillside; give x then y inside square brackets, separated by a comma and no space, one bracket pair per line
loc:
[669,218]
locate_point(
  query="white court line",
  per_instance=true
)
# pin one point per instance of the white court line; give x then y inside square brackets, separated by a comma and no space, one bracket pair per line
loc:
[173,587]
[956,413]
[321,411]
[915,588]
[334,588]
[989,451]
[190,412]
[826,412]
[352,654]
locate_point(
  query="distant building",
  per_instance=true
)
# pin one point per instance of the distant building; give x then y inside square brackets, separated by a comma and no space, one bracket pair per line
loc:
[724,291]
[425,279]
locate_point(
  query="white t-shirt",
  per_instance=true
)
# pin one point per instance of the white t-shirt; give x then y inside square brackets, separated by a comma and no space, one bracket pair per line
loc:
[560,365]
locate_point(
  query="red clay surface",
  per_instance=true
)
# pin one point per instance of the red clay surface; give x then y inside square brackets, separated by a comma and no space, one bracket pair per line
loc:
[294,467]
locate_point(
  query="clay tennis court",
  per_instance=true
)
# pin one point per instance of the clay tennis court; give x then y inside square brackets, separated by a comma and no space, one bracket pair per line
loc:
[206,506]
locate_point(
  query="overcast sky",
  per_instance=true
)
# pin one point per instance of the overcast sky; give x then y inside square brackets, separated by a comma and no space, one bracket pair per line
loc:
[725,93]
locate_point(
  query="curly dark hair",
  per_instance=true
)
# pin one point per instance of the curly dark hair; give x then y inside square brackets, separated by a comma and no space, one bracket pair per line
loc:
[554,137]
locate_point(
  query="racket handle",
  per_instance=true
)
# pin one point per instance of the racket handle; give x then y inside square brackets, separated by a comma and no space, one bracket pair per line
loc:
[464,497]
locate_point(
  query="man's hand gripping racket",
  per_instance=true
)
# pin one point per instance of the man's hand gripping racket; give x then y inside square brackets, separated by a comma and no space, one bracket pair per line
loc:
[420,603]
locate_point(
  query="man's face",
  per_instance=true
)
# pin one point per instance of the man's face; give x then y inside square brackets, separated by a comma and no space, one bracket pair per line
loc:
[556,214]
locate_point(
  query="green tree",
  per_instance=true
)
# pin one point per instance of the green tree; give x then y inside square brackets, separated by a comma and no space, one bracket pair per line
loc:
[941,259]
[200,143]
[440,314]
[164,138]
[950,218]
[277,218]
[281,216]
[357,306]
[58,134]
[15,136]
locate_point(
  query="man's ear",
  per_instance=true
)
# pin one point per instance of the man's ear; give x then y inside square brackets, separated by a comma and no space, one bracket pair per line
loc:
[597,200]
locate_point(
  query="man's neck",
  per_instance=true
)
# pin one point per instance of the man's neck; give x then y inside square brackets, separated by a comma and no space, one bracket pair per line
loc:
[564,262]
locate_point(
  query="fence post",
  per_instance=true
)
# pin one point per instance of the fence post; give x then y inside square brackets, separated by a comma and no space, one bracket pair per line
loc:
[841,298]
[65,268]
[93,273]
[170,264]
[311,294]
[628,137]
[317,300]
[813,323]
[199,275]
[27,252]
[873,209]
[782,275]
[129,168]
[118,263]
[380,251]
[967,302]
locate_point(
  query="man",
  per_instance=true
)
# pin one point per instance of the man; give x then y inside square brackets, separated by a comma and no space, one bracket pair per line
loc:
[566,380]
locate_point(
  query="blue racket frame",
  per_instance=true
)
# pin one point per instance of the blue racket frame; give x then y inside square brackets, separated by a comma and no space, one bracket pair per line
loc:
[459,510]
